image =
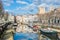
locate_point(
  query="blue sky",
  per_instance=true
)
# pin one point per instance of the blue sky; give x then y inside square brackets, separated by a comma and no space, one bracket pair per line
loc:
[19,7]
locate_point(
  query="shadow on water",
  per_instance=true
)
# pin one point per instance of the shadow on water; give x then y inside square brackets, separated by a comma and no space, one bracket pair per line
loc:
[4,27]
[50,35]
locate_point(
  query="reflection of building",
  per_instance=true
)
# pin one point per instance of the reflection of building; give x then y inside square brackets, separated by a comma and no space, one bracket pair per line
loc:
[23,28]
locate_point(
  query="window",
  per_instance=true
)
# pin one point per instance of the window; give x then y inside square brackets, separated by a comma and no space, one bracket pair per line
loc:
[58,21]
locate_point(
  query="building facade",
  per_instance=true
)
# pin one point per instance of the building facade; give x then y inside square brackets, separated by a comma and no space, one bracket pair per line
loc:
[51,18]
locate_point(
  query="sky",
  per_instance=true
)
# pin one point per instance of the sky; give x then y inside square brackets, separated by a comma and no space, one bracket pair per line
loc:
[20,7]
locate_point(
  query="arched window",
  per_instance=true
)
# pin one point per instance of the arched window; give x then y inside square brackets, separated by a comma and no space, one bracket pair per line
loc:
[55,20]
[58,21]
[49,21]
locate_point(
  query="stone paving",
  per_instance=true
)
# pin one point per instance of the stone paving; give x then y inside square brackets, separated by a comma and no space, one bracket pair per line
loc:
[8,35]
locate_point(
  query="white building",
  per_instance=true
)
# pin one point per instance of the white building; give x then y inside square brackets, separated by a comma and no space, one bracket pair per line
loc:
[18,19]
[25,20]
[51,8]
[23,28]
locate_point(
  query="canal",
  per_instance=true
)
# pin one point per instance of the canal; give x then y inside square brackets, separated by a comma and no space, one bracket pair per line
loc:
[25,36]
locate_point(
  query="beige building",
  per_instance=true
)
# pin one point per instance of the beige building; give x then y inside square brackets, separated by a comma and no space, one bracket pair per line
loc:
[41,10]
[18,19]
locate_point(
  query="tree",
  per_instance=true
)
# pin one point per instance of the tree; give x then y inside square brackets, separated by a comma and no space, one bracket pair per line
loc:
[1,10]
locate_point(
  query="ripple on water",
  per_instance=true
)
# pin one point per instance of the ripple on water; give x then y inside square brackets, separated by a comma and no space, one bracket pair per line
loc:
[25,36]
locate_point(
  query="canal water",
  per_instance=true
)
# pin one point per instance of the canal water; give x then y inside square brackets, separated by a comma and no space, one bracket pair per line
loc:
[25,36]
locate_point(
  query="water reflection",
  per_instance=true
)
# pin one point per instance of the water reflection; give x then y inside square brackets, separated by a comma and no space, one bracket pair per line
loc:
[25,36]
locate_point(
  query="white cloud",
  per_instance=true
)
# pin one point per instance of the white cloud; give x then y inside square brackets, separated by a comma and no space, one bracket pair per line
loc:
[43,4]
[51,1]
[21,2]
[7,2]
[7,10]
[36,2]
[31,6]
[28,9]
[48,3]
